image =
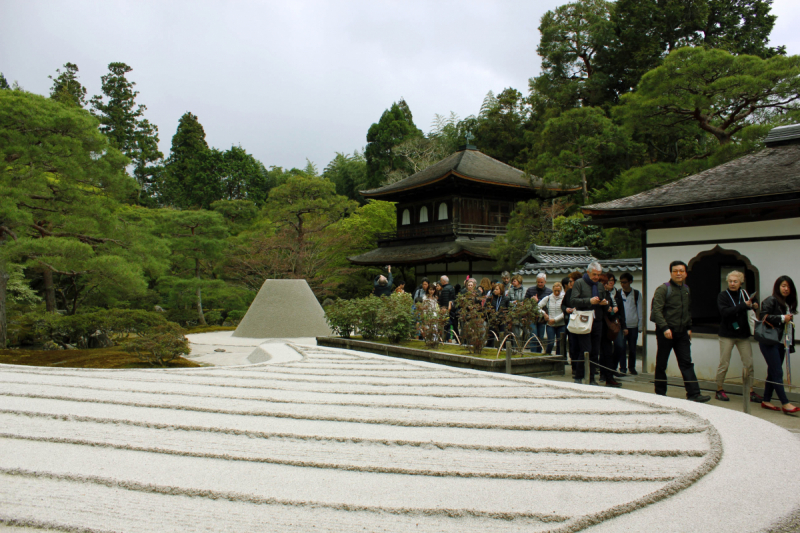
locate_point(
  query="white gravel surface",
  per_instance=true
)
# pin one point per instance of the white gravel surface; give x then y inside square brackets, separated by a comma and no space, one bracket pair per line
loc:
[333,440]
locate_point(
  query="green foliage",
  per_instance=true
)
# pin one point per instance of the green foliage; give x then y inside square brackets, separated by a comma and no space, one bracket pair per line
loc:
[4,83]
[500,127]
[396,321]
[472,318]
[580,144]
[373,317]
[368,309]
[395,126]
[85,330]
[648,31]
[66,87]
[574,39]
[714,91]
[160,345]
[524,314]
[349,174]
[529,223]
[432,323]
[572,233]
[184,166]
[343,317]
[124,124]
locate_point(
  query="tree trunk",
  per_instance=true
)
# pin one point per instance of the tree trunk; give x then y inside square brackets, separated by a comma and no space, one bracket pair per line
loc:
[49,291]
[200,318]
[4,276]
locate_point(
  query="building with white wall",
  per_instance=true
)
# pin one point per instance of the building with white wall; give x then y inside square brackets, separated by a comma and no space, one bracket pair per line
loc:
[742,215]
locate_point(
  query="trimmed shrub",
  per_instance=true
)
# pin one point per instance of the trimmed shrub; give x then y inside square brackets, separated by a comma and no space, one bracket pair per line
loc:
[395,318]
[342,317]
[161,344]
[367,310]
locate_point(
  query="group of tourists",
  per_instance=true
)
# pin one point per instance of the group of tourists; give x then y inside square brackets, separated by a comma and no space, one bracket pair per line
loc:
[592,316]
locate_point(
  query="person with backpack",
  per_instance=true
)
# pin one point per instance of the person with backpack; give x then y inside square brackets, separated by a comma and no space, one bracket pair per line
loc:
[734,305]
[629,302]
[671,310]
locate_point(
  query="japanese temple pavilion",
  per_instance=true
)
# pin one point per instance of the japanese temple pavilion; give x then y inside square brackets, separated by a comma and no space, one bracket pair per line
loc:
[449,213]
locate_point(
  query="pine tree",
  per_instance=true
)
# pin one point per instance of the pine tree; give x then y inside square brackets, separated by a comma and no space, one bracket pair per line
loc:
[66,87]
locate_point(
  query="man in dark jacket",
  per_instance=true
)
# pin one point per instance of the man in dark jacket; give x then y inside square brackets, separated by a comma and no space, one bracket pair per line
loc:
[734,330]
[382,284]
[671,310]
[539,292]
[588,293]
[446,298]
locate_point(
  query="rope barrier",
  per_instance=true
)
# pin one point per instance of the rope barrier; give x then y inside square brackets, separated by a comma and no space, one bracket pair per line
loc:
[654,379]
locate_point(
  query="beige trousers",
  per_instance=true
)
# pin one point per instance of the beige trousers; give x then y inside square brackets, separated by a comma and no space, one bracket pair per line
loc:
[725,349]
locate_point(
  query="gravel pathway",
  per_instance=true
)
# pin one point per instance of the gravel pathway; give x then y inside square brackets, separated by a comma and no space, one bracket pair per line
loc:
[334,440]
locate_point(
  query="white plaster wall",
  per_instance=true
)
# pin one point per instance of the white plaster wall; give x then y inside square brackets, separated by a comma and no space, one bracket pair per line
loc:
[771,258]
[748,230]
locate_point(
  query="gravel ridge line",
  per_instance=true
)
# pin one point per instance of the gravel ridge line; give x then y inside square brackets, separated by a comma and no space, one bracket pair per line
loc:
[382,421]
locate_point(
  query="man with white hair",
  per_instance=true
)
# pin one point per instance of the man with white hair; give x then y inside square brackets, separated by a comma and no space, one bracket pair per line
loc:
[383,285]
[539,292]
[588,293]
[446,298]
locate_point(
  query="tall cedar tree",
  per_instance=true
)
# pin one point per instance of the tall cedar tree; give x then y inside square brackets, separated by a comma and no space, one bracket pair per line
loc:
[395,126]
[186,159]
[124,124]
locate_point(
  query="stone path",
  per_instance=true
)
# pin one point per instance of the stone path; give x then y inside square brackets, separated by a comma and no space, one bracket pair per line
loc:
[333,440]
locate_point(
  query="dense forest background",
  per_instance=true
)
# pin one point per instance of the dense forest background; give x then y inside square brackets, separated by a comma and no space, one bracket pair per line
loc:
[632,94]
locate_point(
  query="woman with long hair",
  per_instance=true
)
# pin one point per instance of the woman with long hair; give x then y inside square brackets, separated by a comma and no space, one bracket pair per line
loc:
[777,311]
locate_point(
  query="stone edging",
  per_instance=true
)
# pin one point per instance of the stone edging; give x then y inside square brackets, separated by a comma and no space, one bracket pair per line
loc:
[526,366]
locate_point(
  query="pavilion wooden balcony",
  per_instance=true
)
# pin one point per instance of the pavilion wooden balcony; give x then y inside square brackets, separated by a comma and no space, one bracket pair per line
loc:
[440,229]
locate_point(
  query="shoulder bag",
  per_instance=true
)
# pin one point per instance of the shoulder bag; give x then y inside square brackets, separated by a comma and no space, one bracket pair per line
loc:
[767,334]
[580,322]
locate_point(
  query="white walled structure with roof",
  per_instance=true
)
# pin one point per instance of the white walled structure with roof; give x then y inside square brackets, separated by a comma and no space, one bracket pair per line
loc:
[743,215]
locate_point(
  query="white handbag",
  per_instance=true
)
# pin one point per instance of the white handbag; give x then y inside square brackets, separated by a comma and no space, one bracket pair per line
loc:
[580,322]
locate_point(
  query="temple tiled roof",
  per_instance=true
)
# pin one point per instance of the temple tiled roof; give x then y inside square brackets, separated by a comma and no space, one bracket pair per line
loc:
[768,173]
[556,254]
[467,164]
[411,254]
[609,265]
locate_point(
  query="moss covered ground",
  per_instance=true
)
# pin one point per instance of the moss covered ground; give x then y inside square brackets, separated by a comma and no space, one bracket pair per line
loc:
[113,357]
[453,349]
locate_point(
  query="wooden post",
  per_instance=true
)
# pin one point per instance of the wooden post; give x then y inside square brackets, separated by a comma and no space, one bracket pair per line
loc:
[746,383]
[587,368]
[508,356]
[644,298]
[562,342]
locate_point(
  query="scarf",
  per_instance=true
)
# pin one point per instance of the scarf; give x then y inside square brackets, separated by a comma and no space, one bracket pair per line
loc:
[592,284]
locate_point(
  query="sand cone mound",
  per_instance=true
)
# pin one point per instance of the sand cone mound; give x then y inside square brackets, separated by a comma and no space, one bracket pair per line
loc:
[284,308]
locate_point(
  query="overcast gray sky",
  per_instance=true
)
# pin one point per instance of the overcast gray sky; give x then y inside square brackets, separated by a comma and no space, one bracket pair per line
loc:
[293,79]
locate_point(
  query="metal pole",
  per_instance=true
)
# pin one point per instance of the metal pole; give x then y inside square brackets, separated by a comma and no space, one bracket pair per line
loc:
[587,368]
[508,356]
[746,383]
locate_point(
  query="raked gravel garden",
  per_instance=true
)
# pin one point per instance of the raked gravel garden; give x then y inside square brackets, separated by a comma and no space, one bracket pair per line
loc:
[321,439]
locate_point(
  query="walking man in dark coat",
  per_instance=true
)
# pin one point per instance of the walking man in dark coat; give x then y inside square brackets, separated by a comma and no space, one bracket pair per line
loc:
[671,310]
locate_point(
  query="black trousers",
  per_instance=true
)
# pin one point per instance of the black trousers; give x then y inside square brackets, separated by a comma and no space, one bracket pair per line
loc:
[681,344]
[589,342]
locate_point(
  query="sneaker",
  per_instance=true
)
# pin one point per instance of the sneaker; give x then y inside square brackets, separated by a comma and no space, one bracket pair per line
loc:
[721,396]
[579,381]
[699,398]
[611,382]
[593,382]
[755,398]
[633,372]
